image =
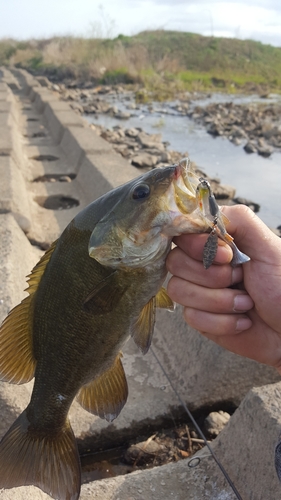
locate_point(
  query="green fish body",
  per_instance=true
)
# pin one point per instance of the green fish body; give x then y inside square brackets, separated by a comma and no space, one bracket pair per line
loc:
[96,286]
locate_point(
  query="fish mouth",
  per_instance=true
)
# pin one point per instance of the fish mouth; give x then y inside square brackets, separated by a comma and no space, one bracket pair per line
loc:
[185,183]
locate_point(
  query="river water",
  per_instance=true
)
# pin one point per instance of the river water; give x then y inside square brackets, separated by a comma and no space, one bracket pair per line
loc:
[254,177]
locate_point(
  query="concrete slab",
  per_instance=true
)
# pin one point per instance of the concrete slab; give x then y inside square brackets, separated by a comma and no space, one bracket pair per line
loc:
[78,141]
[58,120]
[13,194]
[203,372]
[42,96]
[98,174]
[60,166]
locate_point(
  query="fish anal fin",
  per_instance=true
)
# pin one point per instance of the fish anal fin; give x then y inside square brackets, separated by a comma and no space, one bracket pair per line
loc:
[49,461]
[163,300]
[17,363]
[142,329]
[37,272]
[106,395]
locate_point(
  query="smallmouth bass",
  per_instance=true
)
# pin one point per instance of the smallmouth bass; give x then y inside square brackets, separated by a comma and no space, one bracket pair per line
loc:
[96,286]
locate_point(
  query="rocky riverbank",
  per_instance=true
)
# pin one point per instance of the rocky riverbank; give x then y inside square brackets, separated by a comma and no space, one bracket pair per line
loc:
[256,126]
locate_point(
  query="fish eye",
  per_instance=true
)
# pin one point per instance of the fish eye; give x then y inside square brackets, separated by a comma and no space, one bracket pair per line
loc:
[141,191]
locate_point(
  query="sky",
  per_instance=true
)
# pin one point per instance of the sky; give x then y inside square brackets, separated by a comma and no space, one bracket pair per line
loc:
[258,20]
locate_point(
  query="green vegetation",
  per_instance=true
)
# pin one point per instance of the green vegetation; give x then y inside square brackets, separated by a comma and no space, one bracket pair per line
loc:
[163,62]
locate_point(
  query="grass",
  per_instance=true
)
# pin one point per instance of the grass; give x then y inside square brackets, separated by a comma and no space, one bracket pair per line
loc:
[162,63]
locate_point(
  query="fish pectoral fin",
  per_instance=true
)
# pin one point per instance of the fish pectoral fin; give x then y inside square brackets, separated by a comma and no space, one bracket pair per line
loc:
[142,329]
[105,296]
[106,395]
[17,362]
[49,461]
[164,301]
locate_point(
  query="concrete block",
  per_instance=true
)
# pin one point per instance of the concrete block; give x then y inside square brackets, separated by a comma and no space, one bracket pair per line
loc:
[42,96]
[175,481]
[17,258]
[245,448]
[98,174]
[246,445]
[204,372]
[78,141]
[13,195]
[6,95]
[58,120]
[6,142]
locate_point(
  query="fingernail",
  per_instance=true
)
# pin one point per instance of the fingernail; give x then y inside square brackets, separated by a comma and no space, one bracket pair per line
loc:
[242,302]
[243,324]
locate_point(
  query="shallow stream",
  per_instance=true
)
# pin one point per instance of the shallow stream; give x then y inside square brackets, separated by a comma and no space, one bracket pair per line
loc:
[256,178]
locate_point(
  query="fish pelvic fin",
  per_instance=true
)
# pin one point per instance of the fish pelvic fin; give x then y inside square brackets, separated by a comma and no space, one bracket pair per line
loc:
[50,462]
[163,300]
[142,329]
[106,395]
[17,363]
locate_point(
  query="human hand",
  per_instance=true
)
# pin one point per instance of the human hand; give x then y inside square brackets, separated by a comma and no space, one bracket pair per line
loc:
[246,319]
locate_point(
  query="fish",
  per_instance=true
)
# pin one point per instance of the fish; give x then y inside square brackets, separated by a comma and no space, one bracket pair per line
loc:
[97,285]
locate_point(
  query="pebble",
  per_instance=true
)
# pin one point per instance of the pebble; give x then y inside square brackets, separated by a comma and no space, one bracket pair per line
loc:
[216,421]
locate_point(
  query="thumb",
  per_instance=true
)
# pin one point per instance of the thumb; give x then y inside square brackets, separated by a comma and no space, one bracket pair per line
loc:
[251,235]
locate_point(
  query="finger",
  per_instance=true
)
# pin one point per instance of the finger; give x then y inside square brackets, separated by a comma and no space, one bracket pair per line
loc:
[259,342]
[216,324]
[221,276]
[211,300]
[250,234]
[193,245]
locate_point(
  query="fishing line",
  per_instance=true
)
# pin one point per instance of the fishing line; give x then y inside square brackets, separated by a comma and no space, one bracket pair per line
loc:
[230,482]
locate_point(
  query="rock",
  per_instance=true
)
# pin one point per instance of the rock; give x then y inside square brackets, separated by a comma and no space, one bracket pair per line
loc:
[122,115]
[132,132]
[265,151]
[216,421]
[276,231]
[251,204]
[149,140]
[144,160]
[166,157]
[144,452]
[250,147]
[215,129]
[222,191]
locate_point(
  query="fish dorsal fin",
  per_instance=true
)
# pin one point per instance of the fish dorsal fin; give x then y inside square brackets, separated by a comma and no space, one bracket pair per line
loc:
[164,301]
[142,329]
[106,395]
[17,363]
[37,272]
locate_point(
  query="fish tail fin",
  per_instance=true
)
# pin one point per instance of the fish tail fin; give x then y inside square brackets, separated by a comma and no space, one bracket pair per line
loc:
[238,256]
[29,456]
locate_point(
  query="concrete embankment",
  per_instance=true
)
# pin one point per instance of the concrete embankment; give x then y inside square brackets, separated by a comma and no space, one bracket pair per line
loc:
[52,165]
